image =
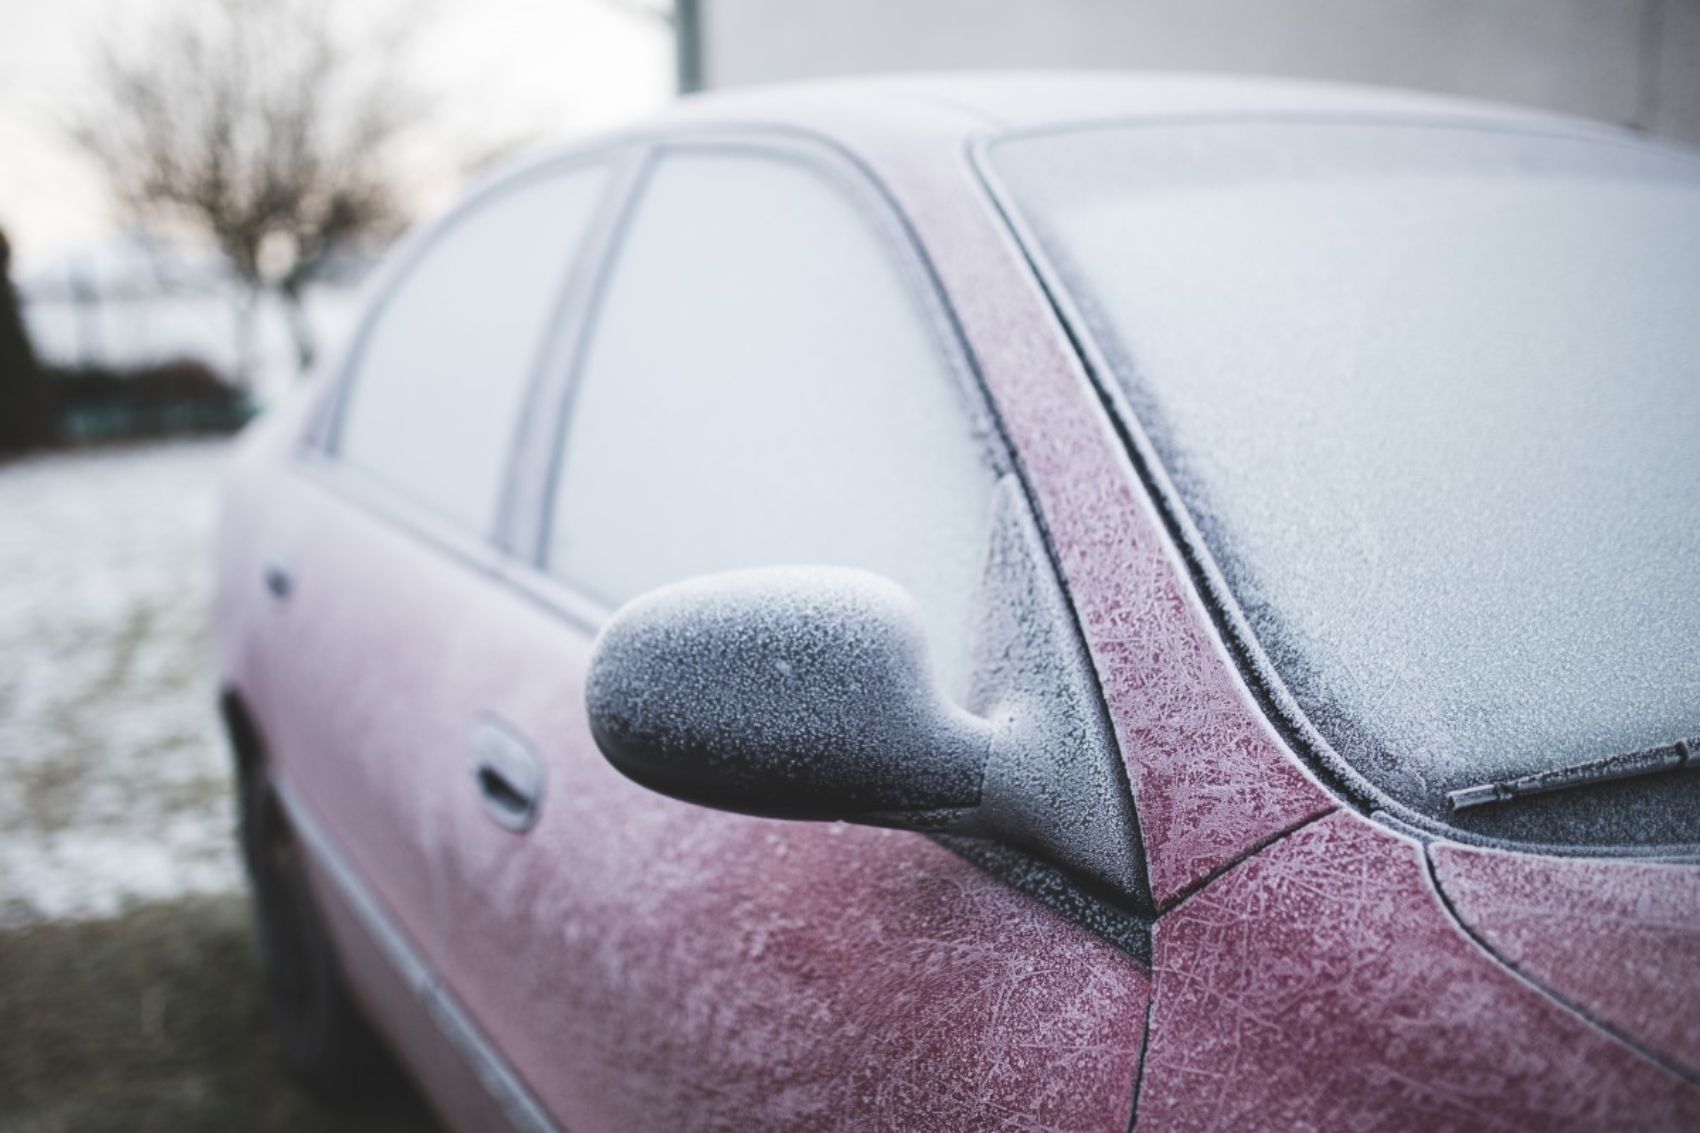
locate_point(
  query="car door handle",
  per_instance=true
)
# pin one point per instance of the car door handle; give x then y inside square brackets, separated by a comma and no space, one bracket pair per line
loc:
[508,774]
[277,579]
[503,795]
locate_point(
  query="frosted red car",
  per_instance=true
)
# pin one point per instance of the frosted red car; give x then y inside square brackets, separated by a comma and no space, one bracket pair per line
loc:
[1023,602]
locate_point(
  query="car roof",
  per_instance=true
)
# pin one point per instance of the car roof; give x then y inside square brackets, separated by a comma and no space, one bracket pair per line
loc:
[888,121]
[994,102]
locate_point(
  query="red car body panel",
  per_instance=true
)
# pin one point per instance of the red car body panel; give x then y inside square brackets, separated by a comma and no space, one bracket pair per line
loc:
[642,963]
[1322,984]
[1618,939]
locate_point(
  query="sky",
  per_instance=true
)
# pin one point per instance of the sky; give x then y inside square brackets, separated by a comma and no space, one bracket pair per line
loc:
[495,69]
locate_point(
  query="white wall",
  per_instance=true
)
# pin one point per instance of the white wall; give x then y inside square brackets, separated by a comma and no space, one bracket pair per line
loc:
[1634,62]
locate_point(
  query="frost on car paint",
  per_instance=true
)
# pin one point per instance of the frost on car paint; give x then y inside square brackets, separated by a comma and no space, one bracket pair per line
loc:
[1233,936]
[1322,983]
[1616,938]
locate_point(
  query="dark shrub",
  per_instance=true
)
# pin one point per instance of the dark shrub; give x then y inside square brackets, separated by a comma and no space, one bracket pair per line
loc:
[25,418]
[171,398]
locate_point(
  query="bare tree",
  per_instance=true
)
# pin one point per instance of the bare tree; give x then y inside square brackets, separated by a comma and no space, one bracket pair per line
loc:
[257,125]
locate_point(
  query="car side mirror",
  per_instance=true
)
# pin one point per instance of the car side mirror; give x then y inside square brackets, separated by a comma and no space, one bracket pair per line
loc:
[786,692]
[806,692]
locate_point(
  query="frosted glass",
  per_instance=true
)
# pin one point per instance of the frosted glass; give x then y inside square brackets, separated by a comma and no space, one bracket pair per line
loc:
[1432,397]
[445,366]
[764,386]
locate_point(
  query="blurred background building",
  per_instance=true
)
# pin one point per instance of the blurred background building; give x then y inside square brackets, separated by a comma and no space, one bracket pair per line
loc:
[1632,62]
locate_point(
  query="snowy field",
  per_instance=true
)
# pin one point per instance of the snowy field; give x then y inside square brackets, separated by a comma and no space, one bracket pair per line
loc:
[116,782]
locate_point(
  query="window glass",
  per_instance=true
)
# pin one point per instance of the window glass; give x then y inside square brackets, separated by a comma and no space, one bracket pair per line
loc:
[765,385]
[445,365]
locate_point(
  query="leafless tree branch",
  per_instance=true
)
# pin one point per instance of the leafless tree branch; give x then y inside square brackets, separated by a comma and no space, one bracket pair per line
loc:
[254,124]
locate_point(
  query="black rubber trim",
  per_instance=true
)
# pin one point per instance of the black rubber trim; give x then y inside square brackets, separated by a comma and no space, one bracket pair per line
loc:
[1664,1061]
[1144,1054]
[1093,907]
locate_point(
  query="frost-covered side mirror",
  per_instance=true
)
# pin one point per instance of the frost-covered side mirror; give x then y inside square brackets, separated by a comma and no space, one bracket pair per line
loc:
[805,692]
[788,692]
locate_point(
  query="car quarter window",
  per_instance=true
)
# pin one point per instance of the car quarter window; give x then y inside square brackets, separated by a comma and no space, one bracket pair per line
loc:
[442,372]
[768,381]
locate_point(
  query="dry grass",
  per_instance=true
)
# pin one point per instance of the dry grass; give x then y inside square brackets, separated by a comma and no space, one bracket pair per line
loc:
[154,1020]
[130,994]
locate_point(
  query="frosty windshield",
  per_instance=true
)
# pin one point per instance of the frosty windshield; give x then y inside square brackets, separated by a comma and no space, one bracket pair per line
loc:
[1431,398]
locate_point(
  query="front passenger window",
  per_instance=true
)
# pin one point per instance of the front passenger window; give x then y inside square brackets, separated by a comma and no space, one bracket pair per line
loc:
[765,384]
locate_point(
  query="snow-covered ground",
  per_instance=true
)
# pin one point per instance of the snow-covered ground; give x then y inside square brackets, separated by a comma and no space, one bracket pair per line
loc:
[114,782]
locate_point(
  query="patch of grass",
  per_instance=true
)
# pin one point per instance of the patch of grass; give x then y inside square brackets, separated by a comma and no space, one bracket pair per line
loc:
[154,1020]
[48,787]
[137,626]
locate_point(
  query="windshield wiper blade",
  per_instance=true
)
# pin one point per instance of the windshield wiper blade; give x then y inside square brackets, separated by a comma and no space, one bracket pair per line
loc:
[1628,765]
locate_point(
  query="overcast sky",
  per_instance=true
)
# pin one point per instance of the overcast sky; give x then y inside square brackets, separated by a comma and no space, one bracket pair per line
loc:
[500,68]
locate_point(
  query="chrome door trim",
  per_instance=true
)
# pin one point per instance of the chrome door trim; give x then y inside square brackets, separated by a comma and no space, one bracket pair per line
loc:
[521,1108]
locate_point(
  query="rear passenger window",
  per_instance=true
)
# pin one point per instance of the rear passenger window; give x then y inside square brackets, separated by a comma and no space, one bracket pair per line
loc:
[446,362]
[765,384]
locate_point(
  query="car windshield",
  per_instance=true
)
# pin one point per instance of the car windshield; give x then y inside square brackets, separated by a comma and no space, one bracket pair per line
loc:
[1430,397]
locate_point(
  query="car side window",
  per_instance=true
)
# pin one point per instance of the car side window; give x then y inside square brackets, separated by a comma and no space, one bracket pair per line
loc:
[443,369]
[765,383]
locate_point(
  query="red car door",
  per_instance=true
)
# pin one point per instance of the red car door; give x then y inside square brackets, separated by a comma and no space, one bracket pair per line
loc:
[764,379]
[378,530]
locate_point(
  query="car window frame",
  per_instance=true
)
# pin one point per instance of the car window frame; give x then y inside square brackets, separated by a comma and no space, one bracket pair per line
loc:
[527,570]
[513,552]
[316,452]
